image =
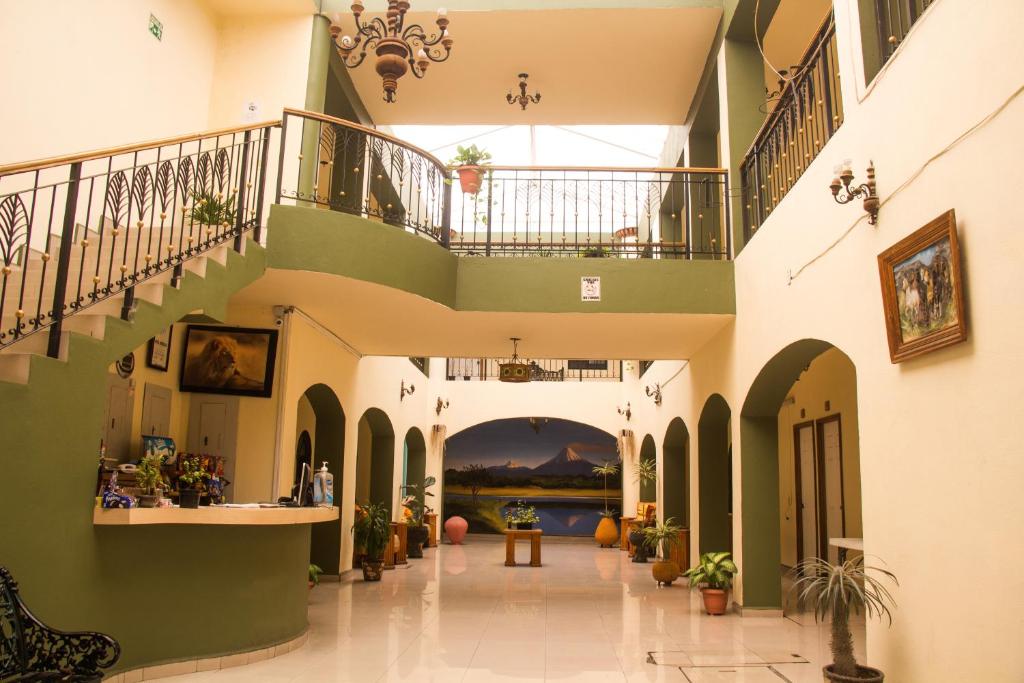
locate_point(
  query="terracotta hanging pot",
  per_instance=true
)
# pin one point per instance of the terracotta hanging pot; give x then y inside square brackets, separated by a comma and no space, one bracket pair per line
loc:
[470,177]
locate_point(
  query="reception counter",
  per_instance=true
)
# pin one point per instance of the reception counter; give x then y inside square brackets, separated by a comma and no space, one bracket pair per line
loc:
[214,515]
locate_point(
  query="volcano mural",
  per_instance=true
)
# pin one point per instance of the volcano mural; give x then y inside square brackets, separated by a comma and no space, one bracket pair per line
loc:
[546,463]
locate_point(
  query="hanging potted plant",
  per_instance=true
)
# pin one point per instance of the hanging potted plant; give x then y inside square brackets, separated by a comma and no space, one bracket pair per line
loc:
[607,532]
[419,532]
[469,163]
[190,482]
[644,472]
[713,576]
[150,479]
[836,590]
[660,539]
[371,531]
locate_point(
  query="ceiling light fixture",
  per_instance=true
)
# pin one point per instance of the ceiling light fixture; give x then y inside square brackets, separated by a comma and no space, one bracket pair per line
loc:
[515,370]
[398,47]
[522,99]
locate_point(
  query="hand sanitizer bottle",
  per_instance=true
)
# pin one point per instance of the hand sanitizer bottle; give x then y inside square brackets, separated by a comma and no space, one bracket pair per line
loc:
[323,487]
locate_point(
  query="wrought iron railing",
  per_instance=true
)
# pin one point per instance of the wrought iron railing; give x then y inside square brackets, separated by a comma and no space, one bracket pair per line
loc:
[340,165]
[541,370]
[807,115]
[594,212]
[77,230]
[894,19]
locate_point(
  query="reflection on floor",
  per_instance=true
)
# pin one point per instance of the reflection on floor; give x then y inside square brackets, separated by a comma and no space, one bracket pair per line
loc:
[588,614]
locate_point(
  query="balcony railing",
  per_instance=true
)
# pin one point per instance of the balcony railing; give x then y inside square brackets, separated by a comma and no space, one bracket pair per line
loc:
[542,370]
[894,19]
[807,115]
[79,229]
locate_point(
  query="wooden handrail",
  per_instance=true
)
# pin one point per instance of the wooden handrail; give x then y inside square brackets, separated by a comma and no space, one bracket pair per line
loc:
[606,169]
[50,162]
[365,129]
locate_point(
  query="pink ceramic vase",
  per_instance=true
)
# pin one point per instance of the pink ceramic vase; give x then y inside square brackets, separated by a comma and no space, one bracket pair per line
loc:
[456,528]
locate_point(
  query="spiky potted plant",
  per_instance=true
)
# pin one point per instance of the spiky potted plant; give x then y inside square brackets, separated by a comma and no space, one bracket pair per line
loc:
[469,163]
[607,531]
[371,531]
[213,210]
[660,539]
[645,471]
[419,532]
[150,479]
[836,590]
[713,576]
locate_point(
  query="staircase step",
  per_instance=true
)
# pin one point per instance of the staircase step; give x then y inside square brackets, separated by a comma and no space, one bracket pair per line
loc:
[14,367]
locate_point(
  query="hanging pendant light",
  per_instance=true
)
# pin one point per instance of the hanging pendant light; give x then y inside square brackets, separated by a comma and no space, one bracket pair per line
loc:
[515,370]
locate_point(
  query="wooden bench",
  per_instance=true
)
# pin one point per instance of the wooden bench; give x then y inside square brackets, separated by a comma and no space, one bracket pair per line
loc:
[32,651]
[512,535]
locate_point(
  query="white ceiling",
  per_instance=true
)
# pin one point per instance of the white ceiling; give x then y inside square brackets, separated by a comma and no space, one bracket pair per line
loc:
[378,320]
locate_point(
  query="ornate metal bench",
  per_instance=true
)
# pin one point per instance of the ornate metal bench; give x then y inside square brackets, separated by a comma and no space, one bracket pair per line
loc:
[32,651]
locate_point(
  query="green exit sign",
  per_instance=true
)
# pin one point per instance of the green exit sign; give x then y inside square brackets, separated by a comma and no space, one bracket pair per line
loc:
[156,28]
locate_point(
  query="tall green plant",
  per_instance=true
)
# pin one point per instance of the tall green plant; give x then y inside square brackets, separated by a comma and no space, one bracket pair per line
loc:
[608,469]
[836,590]
[661,537]
[372,529]
[418,507]
[148,475]
[714,570]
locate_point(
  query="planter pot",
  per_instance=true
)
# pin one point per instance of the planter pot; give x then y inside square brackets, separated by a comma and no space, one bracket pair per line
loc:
[637,539]
[373,569]
[455,528]
[188,498]
[715,600]
[665,572]
[524,525]
[417,536]
[470,178]
[865,674]
[607,532]
[149,501]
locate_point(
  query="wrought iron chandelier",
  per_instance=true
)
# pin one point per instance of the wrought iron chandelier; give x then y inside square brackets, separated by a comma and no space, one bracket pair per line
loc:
[522,99]
[398,47]
[515,370]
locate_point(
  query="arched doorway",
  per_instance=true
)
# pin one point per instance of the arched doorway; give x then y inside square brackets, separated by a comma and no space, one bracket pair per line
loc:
[648,454]
[675,465]
[415,462]
[320,438]
[375,460]
[798,432]
[714,475]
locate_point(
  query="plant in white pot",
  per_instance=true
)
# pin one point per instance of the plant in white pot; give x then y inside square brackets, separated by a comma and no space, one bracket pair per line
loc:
[836,591]
[713,576]
[469,163]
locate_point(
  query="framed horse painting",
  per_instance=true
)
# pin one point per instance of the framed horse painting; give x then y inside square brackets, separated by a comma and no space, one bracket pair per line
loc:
[229,360]
[922,290]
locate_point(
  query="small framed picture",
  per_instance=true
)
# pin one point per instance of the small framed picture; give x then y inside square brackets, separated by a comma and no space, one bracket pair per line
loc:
[159,353]
[922,290]
[228,360]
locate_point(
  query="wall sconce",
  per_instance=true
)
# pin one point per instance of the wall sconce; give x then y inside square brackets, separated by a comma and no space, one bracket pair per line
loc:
[844,194]
[655,392]
[441,405]
[406,392]
[627,412]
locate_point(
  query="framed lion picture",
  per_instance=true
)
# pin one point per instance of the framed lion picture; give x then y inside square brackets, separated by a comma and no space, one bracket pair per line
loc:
[229,360]
[922,290]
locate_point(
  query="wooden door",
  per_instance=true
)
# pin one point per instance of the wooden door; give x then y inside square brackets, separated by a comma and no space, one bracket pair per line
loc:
[117,426]
[830,484]
[806,491]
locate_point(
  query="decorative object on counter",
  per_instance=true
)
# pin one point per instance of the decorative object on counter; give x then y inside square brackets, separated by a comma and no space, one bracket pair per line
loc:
[844,194]
[125,365]
[314,575]
[655,392]
[150,479]
[113,497]
[834,590]
[470,163]
[372,532]
[162,446]
[660,539]
[521,516]
[419,532]
[406,391]
[455,528]
[607,531]
[522,99]
[922,290]
[229,360]
[713,576]
[32,651]
[158,351]
[190,481]
[323,487]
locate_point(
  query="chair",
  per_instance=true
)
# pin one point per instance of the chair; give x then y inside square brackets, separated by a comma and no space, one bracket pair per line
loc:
[32,651]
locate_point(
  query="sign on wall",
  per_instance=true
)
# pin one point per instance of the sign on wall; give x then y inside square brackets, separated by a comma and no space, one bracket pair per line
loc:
[590,288]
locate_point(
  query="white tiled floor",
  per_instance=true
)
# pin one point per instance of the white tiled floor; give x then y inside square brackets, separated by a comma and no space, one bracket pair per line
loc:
[589,614]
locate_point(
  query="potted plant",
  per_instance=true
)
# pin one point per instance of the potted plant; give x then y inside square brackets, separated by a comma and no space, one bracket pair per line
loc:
[521,515]
[150,479]
[645,471]
[468,162]
[314,575]
[371,531]
[419,532]
[607,532]
[834,590]
[660,539]
[211,209]
[713,576]
[190,482]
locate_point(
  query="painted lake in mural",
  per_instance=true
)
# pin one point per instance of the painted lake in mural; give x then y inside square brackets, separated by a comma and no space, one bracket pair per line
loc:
[540,462]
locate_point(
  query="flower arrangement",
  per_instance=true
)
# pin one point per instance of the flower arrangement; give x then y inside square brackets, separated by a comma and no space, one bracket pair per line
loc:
[521,514]
[192,473]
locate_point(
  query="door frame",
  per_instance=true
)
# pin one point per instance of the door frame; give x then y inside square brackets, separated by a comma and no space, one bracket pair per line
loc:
[798,487]
[819,443]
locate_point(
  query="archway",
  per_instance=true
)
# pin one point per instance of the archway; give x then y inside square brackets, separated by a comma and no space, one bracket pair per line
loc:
[809,388]
[375,459]
[675,465]
[714,475]
[648,454]
[415,462]
[320,431]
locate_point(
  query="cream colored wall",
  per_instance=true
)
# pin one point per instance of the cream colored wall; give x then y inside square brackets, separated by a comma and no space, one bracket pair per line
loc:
[790,33]
[364,458]
[831,377]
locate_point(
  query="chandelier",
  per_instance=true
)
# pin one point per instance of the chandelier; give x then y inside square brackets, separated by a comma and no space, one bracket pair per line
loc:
[398,47]
[522,99]
[515,370]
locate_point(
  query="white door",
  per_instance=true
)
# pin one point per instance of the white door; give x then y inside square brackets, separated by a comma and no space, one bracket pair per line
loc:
[117,427]
[830,436]
[213,429]
[156,410]
[807,516]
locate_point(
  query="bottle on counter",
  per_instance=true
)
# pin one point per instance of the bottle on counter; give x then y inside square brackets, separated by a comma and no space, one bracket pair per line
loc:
[323,487]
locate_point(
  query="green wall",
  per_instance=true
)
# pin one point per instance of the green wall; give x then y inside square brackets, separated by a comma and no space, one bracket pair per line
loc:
[675,459]
[714,481]
[164,592]
[329,446]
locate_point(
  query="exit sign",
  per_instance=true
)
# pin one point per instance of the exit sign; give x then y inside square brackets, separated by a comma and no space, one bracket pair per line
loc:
[156,27]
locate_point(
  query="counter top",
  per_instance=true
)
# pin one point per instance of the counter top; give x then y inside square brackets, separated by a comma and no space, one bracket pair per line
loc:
[214,516]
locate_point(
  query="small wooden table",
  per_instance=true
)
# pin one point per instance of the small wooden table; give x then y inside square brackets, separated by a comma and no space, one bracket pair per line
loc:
[624,533]
[431,521]
[512,535]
